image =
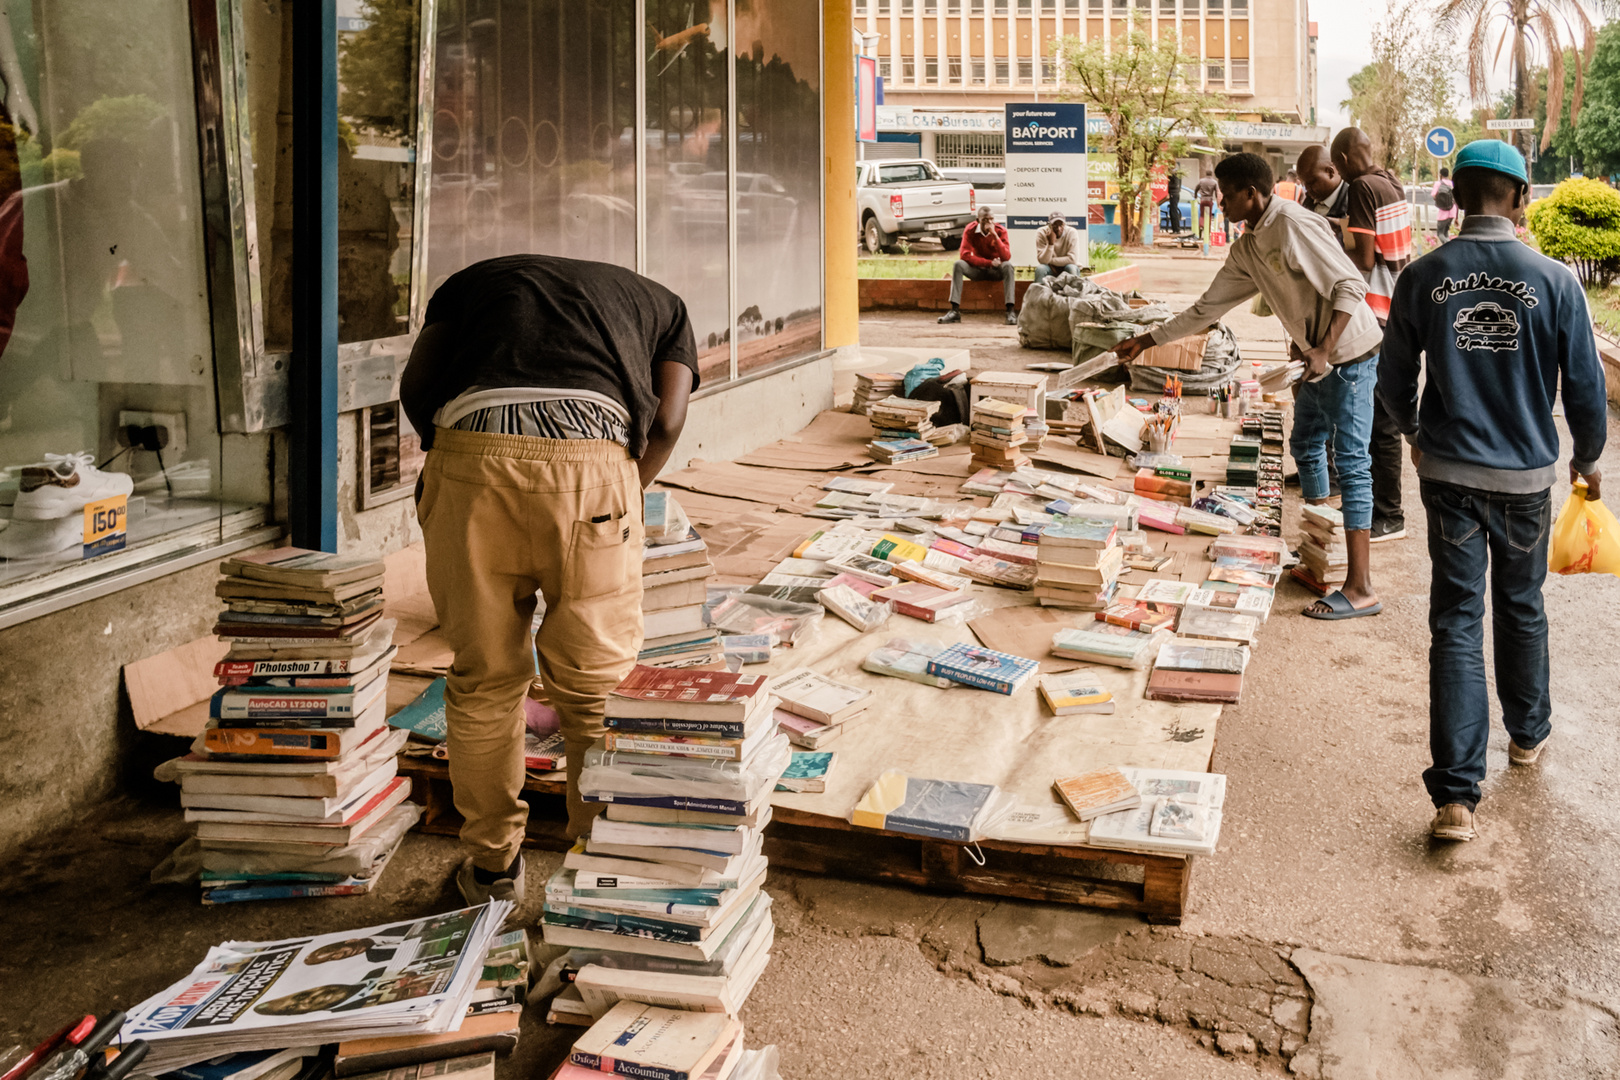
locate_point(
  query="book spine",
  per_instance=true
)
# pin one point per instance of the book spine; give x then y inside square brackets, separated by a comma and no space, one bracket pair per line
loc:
[598,1063]
[672,747]
[623,925]
[970,678]
[280,892]
[671,802]
[249,668]
[253,707]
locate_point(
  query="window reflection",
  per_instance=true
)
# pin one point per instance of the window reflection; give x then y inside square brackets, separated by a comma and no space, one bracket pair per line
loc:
[533,145]
[688,244]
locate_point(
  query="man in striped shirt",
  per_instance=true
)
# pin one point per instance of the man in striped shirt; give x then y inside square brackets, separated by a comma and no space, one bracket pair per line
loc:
[1380,227]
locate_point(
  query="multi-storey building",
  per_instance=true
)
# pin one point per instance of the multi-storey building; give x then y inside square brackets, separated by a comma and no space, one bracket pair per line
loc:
[955,63]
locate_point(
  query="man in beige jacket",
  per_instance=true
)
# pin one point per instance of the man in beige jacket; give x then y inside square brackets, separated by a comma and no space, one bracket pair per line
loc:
[549,393]
[1059,249]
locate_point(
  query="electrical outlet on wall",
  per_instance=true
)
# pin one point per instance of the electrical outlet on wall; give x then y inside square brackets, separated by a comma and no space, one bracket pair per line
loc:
[174,450]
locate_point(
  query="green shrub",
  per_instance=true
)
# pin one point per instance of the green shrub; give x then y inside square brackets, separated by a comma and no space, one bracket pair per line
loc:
[1580,224]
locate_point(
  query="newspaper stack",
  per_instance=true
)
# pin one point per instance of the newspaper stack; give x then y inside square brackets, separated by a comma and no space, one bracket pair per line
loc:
[875,386]
[675,573]
[293,780]
[998,434]
[662,903]
[1078,565]
[1324,558]
[410,979]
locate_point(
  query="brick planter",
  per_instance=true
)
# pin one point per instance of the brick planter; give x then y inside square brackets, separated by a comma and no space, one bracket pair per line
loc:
[934,294]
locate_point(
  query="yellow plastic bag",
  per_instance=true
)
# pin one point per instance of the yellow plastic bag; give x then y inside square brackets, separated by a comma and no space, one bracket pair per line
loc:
[1585,538]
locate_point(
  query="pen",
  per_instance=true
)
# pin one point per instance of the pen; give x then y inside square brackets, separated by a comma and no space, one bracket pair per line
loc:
[121,1066]
[73,1034]
[68,1063]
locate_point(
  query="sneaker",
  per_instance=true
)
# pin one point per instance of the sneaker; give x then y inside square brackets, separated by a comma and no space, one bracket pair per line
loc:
[1386,530]
[40,539]
[475,892]
[1012,318]
[1453,821]
[1518,755]
[63,486]
[950,316]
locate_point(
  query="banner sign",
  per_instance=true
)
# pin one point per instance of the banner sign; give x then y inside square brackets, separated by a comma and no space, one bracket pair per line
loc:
[866,99]
[1046,171]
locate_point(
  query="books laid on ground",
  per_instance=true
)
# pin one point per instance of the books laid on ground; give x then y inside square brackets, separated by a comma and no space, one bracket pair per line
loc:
[996,434]
[1165,595]
[948,809]
[411,978]
[1078,565]
[813,695]
[1101,791]
[808,772]
[710,696]
[1214,625]
[1137,615]
[1243,603]
[906,658]
[1071,692]
[875,386]
[926,602]
[1179,832]
[1106,643]
[902,418]
[890,451]
[985,669]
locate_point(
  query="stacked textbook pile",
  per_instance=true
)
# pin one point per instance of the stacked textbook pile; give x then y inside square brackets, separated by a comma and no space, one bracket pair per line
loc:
[675,573]
[291,788]
[902,428]
[875,386]
[643,1040]
[1324,557]
[997,434]
[662,903]
[1078,564]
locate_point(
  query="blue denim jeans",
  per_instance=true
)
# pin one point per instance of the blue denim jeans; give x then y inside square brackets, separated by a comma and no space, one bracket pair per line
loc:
[1469,530]
[1339,408]
[1043,271]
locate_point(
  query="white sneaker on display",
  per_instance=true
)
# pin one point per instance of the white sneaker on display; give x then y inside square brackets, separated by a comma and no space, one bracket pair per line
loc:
[64,485]
[39,539]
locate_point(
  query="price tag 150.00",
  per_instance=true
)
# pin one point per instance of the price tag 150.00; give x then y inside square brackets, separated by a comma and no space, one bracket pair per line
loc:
[106,525]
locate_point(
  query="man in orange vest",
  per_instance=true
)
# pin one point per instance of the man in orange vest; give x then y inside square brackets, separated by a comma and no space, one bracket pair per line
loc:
[1289,188]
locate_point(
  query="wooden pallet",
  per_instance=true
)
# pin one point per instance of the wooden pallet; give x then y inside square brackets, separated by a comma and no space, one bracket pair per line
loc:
[815,843]
[1093,877]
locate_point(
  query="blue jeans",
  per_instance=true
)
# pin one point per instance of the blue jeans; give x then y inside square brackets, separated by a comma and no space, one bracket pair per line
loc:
[1467,528]
[1043,271]
[1339,408]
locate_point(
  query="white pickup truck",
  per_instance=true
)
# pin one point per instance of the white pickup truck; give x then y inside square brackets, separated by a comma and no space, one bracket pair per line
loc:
[910,199]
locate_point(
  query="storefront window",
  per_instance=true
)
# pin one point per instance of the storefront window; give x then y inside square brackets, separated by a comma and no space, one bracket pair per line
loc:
[688,238]
[106,371]
[533,121]
[778,182]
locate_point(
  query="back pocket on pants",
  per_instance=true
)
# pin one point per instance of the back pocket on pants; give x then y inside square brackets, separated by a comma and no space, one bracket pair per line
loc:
[599,558]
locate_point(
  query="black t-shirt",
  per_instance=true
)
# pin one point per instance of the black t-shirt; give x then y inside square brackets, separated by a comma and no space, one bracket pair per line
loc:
[536,320]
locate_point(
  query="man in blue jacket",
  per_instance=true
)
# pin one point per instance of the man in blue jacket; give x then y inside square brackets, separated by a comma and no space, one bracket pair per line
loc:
[1505,332]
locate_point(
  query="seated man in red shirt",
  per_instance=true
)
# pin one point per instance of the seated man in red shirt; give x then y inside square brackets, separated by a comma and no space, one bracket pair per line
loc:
[986,256]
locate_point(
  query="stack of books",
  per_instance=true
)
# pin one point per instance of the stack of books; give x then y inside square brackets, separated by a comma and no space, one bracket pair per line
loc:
[1189,669]
[296,765]
[813,709]
[662,903]
[875,386]
[1324,559]
[1268,496]
[675,573]
[1177,813]
[892,451]
[1079,565]
[645,1040]
[997,434]
[985,669]
[1243,462]
[902,418]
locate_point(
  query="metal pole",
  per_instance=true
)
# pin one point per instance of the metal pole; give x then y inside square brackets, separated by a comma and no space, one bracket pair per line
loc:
[312,451]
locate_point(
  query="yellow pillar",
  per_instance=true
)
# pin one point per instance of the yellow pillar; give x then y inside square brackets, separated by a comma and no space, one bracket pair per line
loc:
[842,311]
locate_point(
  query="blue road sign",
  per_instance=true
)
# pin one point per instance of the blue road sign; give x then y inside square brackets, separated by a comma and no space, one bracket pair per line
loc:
[1440,142]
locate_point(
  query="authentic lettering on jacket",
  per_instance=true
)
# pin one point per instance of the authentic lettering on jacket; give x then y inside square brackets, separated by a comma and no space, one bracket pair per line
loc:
[1477,282]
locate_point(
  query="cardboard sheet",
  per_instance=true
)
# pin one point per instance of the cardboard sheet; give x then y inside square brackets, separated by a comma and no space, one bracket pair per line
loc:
[833,440]
[733,481]
[1026,631]
[405,594]
[1063,452]
[975,735]
[169,692]
[702,510]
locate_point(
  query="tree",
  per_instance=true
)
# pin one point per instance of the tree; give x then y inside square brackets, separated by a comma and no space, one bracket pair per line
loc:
[1139,86]
[1597,130]
[377,70]
[1524,27]
[1406,88]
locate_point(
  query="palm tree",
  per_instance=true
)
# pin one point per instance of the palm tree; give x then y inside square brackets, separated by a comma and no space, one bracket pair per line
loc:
[1527,26]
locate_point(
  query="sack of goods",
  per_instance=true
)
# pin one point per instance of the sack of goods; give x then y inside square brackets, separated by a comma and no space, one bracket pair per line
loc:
[663,903]
[291,788]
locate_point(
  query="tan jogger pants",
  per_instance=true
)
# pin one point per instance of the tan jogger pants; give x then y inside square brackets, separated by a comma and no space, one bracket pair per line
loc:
[504,517]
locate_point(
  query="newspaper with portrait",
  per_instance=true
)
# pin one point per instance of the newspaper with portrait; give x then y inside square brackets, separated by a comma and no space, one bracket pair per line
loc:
[407,978]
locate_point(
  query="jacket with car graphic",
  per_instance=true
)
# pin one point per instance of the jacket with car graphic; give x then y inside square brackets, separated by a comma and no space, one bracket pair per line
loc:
[1503,332]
